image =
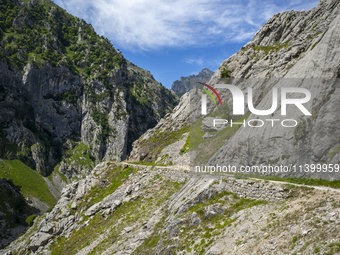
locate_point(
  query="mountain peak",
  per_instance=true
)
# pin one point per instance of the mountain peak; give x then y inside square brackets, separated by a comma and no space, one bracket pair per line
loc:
[185,83]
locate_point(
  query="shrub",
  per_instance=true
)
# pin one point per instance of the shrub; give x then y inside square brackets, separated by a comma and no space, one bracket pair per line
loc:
[294,239]
[225,73]
[30,220]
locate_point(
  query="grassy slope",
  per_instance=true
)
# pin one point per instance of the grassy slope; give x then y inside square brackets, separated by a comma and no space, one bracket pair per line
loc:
[32,184]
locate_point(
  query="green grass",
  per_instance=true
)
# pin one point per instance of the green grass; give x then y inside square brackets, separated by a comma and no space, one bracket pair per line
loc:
[274,48]
[31,182]
[314,45]
[143,163]
[333,248]
[30,220]
[225,73]
[186,146]
[78,156]
[159,140]
[116,176]
[146,163]
[56,171]
[178,185]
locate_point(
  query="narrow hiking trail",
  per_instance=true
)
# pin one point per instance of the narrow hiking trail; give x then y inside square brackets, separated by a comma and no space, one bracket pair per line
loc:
[187,168]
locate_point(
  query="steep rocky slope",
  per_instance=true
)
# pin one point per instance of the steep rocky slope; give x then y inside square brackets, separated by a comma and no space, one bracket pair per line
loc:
[186,83]
[128,209]
[169,130]
[306,55]
[293,49]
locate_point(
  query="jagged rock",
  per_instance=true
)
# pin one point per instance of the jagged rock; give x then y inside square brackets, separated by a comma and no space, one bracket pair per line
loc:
[93,209]
[46,108]
[38,240]
[290,49]
[214,210]
[46,227]
[129,189]
[180,116]
[186,83]
[172,228]
[38,155]
[271,143]
[194,219]
[127,229]
[117,203]
[74,205]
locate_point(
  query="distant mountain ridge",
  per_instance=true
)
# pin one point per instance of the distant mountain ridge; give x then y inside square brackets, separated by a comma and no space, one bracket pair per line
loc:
[183,85]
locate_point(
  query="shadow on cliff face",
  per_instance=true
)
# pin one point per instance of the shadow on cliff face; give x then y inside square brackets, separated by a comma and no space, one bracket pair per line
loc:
[14,211]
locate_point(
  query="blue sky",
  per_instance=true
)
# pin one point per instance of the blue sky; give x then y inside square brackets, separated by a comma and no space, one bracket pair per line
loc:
[174,38]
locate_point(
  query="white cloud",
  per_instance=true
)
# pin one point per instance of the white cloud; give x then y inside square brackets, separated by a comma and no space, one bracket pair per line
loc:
[193,60]
[150,24]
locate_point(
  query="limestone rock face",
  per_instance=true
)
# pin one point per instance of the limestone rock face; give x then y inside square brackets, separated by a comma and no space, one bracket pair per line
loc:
[44,108]
[293,49]
[186,83]
[311,60]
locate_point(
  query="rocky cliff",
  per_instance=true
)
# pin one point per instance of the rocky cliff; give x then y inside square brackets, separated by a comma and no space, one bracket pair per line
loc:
[293,49]
[68,99]
[64,89]
[186,83]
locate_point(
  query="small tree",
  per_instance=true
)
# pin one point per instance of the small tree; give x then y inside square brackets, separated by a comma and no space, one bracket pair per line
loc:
[225,73]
